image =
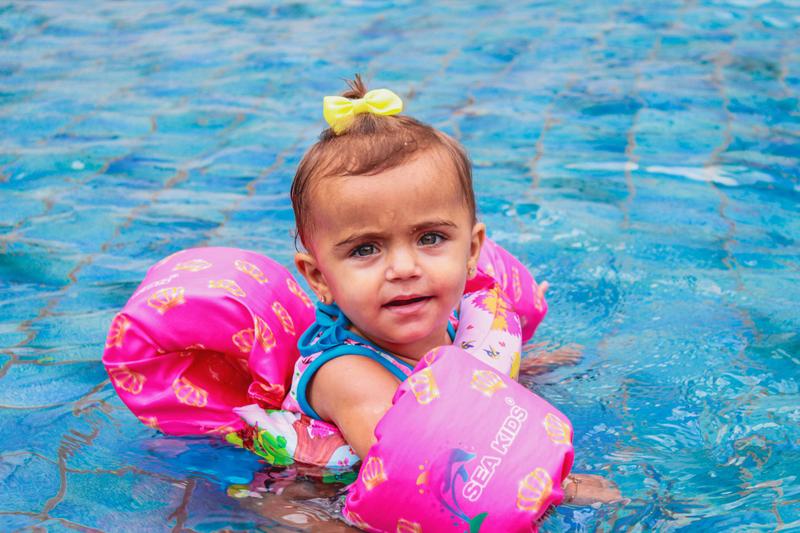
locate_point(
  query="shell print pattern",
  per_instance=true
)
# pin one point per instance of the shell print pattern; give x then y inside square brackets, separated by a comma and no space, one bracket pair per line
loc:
[283,315]
[191,349]
[251,270]
[534,490]
[195,265]
[355,519]
[373,472]
[258,389]
[558,430]
[295,289]
[424,386]
[150,421]
[264,334]
[244,340]
[431,357]
[227,284]
[165,299]
[127,379]
[116,333]
[407,526]
[486,382]
[224,429]
[188,393]
[515,284]
[538,300]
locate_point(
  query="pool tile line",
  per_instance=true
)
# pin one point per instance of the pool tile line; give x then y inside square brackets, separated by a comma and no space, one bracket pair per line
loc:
[729,239]
[129,469]
[250,188]
[76,526]
[460,109]
[446,60]
[747,489]
[181,513]
[50,200]
[87,404]
[75,120]
[487,80]
[547,125]
[20,36]
[631,158]
[75,441]
[35,407]
[180,176]
[5,177]
[548,122]
[7,365]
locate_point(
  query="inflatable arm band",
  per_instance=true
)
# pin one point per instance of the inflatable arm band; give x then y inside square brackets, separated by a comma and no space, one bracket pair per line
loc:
[208,330]
[515,280]
[436,466]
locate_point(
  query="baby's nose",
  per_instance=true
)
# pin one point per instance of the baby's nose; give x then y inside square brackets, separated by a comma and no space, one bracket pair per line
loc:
[402,264]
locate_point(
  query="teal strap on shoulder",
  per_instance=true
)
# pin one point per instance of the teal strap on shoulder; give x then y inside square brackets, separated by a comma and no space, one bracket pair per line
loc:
[333,353]
[328,334]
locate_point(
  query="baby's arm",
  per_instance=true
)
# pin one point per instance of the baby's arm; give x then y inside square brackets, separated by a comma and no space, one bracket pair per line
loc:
[588,489]
[353,392]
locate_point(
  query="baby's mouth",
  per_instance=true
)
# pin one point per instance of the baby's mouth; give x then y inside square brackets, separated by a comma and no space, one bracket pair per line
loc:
[405,301]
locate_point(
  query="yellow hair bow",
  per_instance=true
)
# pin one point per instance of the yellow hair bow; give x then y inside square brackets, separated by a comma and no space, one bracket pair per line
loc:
[340,111]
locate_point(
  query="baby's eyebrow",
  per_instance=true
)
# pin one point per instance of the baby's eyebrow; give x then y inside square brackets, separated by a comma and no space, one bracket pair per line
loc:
[438,222]
[355,237]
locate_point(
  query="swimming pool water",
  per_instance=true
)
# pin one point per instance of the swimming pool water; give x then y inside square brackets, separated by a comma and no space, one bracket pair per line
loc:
[642,157]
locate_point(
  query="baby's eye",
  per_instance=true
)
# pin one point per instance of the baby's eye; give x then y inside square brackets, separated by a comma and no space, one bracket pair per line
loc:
[364,250]
[431,239]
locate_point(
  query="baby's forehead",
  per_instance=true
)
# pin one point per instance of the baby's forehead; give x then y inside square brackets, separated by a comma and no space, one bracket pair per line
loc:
[418,179]
[405,196]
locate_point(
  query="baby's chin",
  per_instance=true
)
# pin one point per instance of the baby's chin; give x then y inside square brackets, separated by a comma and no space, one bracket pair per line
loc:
[412,344]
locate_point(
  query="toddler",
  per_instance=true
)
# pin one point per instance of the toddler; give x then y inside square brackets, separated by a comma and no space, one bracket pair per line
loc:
[385,211]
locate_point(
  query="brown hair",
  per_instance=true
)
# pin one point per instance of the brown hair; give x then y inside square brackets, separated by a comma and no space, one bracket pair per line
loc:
[372,144]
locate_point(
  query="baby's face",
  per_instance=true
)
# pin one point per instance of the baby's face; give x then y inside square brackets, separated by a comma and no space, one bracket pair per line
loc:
[393,251]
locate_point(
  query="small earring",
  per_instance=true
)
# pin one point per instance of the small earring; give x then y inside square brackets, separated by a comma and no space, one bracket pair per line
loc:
[471,271]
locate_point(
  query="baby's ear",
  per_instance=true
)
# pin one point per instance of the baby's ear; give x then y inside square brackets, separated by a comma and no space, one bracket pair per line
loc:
[478,236]
[307,266]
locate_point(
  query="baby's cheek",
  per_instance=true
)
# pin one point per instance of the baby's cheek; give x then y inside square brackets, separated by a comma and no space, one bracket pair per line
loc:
[453,286]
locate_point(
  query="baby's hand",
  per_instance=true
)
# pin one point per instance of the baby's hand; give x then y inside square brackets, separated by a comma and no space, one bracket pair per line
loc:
[586,489]
[538,298]
[543,286]
[540,360]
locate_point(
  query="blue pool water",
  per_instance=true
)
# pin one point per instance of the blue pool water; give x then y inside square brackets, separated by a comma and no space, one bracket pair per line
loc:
[641,156]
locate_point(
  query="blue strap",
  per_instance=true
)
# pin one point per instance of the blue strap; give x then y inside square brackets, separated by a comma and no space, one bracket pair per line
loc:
[328,334]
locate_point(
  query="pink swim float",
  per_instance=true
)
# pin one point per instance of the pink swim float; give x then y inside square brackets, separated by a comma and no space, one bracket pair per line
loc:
[208,330]
[438,466]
